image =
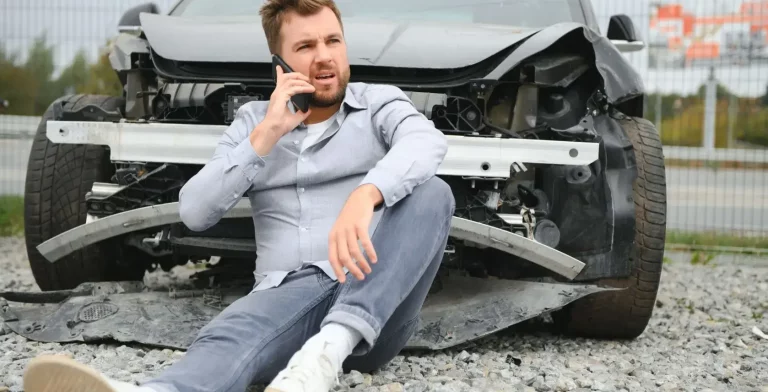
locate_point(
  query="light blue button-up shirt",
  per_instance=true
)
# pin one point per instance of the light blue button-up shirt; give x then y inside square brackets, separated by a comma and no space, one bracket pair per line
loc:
[378,137]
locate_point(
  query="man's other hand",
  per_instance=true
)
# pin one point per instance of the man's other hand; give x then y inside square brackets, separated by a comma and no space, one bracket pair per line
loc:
[352,226]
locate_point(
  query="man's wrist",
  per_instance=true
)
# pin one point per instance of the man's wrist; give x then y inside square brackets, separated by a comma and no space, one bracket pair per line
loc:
[372,193]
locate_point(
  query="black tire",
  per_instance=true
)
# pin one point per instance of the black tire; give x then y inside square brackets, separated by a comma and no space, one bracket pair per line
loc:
[625,314]
[58,177]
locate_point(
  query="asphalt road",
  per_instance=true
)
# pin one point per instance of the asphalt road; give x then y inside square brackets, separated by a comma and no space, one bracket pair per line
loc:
[698,200]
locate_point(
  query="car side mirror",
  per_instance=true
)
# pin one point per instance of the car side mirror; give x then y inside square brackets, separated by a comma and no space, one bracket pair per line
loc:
[621,27]
[621,31]
[130,22]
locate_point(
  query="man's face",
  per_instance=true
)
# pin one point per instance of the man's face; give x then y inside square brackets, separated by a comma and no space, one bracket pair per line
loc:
[314,46]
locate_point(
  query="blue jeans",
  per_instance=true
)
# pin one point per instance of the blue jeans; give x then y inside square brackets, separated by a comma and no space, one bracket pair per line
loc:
[253,339]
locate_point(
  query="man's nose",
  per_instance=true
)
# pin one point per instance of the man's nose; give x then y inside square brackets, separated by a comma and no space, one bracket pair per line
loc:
[323,53]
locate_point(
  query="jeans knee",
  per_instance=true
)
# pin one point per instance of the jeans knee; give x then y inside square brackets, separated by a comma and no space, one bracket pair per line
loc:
[434,197]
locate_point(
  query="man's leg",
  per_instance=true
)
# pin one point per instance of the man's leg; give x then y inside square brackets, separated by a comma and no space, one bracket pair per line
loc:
[409,243]
[249,342]
[399,328]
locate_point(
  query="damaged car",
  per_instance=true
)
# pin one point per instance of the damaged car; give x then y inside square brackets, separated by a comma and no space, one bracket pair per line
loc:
[559,180]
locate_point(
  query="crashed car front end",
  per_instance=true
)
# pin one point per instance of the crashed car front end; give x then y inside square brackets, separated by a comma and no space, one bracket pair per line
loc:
[542,173]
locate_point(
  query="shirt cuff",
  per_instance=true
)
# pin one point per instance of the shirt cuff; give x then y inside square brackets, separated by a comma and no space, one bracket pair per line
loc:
[246,157]
[387,185]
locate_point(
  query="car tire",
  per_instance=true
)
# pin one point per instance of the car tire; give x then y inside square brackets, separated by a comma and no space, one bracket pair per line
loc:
[58,177]
[625,314]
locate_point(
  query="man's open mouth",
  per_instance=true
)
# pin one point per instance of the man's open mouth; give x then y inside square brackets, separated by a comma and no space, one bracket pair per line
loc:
[325,76]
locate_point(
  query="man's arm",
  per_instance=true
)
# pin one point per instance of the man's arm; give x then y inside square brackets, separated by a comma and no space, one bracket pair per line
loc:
[416,147]
[221,183]
[415,150]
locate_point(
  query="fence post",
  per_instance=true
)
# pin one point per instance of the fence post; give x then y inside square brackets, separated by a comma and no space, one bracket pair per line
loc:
[710,107]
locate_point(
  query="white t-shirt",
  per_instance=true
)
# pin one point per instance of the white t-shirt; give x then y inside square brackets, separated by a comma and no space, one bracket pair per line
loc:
[314,131]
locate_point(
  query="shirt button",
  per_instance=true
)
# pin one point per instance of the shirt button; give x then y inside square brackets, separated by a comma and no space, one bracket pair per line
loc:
[301,190]
[393,198]
[295,142]
[303,229]
[303,159]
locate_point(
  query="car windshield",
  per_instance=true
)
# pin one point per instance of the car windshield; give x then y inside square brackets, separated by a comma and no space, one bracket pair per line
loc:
[521,13]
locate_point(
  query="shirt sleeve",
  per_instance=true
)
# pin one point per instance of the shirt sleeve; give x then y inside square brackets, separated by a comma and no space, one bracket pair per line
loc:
[416,146]
[227,176]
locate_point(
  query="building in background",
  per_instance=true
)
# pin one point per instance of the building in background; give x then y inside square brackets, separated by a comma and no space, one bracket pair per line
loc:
[681,38]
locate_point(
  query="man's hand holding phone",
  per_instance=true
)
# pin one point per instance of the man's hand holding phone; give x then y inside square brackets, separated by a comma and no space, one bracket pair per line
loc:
[279,120]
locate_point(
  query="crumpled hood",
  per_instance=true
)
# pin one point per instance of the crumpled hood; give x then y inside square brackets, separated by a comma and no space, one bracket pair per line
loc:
[369,42]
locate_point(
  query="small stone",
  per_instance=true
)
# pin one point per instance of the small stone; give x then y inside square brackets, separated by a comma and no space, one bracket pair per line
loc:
[540,385]
[476,372]
[353,378]
[439,379]
[463,356]
[599,386]
[393,387]
[584,383]
[565,384]
[416,386]
[574,363]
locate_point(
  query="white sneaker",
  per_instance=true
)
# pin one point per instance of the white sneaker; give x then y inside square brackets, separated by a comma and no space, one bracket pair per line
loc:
[309,370]
[58,373]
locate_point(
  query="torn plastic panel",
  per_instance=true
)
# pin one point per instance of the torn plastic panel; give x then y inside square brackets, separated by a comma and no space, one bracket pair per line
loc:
[462,309]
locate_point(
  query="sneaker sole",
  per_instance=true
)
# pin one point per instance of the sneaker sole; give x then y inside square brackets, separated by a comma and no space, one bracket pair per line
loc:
[57,373]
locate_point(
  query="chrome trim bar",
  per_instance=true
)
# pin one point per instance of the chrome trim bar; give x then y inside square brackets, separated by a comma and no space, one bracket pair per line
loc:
[122,223]
[194,144]
[517,245]
[164,214]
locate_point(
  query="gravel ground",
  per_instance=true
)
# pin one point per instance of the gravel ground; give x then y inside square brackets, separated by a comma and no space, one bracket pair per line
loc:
[700,339]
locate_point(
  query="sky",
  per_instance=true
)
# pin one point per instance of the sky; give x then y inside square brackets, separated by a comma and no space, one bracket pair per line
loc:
[87,24]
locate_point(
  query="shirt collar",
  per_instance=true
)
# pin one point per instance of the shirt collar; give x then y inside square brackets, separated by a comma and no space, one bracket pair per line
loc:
[349,100]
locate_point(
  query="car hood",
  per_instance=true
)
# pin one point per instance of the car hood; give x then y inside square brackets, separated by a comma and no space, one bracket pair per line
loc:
[369,42]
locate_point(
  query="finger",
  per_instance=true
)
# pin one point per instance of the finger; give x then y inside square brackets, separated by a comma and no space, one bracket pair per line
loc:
[295,83]
[295,76]
[279,72]
[300,116]
[354,251]
[346,259]
[362,234]
[289,92]
[333,257]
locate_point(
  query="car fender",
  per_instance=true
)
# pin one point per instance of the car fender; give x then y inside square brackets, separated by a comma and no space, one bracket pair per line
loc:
[621,81]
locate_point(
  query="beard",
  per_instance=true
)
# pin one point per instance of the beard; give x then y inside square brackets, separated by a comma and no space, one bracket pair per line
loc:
[324,99]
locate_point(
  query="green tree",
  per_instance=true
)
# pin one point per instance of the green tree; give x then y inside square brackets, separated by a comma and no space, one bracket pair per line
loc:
[40,66]
[102,78]
[74,78]
[17,85]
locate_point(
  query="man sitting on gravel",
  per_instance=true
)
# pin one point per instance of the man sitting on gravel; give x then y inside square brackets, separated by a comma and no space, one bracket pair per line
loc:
[361,160]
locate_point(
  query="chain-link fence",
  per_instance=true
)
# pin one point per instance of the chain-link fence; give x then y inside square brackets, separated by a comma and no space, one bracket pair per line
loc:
[705,68]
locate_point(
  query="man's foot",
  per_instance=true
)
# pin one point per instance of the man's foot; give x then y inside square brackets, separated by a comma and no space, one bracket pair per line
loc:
[57,373]
[311,369]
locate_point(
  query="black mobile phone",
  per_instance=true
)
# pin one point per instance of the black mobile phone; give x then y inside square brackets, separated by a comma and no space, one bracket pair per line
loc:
[300,100]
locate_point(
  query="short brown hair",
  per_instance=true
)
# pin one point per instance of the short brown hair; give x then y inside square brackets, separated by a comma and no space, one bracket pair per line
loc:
[273,15]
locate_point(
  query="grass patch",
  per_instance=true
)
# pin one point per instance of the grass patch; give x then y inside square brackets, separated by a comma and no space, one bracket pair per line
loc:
[11,216]
[716,239]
